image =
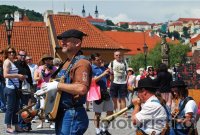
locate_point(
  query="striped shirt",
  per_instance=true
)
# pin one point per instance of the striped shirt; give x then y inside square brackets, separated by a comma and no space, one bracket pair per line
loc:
[13,70]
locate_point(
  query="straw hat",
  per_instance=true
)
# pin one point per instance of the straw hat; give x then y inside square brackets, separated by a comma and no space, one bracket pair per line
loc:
[45,56]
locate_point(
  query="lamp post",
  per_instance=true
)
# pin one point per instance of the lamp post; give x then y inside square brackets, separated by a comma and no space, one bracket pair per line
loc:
[145,49]
[9,20]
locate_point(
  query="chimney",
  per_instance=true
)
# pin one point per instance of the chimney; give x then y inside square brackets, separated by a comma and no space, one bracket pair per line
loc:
[16,16]
[46,13]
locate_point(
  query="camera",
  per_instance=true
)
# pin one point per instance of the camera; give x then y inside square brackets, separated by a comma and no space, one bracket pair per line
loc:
[49,66]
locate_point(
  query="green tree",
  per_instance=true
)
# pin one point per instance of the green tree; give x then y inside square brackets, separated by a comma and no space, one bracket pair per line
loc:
[125,26]
[102,28]
[185,32]
[109,22]
[176,35]
[176,55]
[164,28]
[32,15]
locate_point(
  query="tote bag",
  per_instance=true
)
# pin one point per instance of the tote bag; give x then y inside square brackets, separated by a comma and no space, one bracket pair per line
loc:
[26,87]
[94,92]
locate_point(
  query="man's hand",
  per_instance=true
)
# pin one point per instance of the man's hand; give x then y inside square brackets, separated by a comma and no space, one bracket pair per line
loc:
[51,86]
[106,72]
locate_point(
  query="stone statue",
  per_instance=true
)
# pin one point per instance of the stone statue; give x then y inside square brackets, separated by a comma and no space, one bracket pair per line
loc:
[164,50]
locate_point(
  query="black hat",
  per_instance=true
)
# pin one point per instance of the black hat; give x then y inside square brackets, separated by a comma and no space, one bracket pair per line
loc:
[147,83]
[71,33]
[178,83]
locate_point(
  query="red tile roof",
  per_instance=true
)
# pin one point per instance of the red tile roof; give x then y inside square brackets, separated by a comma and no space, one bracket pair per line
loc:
[121,23]
[139,23]
[135,40]
[188,19]
[96,39]
[189,54]
[30,36]
[91,19]
[176,24]
[30,23]
[195,39]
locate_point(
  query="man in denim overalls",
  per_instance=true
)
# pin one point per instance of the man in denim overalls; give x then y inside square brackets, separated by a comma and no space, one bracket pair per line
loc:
[72,118]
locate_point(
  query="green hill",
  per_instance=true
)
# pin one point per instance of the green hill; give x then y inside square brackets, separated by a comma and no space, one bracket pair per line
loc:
[32,15]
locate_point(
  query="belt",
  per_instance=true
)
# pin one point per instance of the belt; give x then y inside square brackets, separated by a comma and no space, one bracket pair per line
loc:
[71,107]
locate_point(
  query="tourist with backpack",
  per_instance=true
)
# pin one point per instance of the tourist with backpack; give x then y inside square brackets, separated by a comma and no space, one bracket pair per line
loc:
[184,119]
[118,75]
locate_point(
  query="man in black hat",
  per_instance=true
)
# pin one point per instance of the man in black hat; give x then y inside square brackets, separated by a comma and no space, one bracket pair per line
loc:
[151,116]
[72,118]
[184,123]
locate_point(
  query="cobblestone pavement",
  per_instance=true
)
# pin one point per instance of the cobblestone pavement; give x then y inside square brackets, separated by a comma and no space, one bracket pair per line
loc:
[121,126]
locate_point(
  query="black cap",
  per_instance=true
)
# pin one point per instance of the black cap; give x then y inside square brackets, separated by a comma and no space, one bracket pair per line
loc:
[178,83]
[71,33]
[147,83]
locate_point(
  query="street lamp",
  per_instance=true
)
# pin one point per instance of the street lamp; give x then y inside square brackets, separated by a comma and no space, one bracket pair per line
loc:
[9,20]
[145,49]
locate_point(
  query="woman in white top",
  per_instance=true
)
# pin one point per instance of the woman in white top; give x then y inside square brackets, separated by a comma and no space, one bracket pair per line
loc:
[10,72]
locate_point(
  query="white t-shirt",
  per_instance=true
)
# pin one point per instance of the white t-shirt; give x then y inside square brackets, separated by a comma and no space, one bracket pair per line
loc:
[32,68]
[152,116]
[119,71]
[131,81]
[191,106]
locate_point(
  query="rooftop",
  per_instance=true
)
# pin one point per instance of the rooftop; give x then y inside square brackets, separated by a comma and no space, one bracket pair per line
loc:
[96,39]
[31,36]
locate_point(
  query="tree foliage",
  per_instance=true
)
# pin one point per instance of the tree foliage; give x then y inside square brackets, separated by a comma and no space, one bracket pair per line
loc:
[109,22]
[177,54]
[176,35]
[103,28]
[125,26]
[185,32]
[32,15]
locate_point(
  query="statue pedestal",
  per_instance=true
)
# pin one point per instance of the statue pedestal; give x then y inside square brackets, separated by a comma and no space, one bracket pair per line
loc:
[165,61]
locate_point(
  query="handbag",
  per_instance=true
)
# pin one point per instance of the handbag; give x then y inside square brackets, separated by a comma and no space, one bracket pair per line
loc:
[94,92]
[16,88]
[26,88]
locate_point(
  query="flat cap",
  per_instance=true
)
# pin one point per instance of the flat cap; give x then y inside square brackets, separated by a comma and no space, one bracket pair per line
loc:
[71,33]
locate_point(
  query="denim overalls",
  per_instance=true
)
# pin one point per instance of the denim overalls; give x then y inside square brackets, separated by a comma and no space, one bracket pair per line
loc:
[72,118]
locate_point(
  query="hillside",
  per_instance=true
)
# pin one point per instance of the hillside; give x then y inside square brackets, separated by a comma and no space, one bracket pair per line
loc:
[32,15]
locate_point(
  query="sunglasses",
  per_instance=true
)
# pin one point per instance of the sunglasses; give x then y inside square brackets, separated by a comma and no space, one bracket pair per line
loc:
[22,55]
[11,52]
[48,59]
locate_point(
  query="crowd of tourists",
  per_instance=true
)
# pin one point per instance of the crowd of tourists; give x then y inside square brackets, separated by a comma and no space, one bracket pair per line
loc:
[161,104]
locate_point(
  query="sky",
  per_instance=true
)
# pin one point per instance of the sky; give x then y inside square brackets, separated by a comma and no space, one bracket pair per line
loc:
[152,11]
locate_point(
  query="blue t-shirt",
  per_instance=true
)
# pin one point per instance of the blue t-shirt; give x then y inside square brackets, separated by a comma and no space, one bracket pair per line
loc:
[96,71]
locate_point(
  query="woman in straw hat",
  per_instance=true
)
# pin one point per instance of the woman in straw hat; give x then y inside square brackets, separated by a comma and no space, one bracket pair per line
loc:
[42,75]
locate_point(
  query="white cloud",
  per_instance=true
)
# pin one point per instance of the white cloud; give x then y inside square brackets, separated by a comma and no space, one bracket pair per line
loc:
[119,18]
